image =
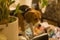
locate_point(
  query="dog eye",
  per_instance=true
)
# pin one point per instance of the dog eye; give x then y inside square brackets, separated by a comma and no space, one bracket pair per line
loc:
[36,19]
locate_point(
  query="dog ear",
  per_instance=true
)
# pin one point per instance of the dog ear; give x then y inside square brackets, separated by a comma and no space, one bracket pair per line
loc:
[29,16]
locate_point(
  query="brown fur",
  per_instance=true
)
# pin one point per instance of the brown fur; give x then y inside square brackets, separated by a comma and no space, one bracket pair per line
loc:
[31,16]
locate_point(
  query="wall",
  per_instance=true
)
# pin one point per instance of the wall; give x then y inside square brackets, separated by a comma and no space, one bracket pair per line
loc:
[24,2]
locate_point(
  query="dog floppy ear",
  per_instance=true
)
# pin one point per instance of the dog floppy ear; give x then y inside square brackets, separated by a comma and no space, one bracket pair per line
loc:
[29,16]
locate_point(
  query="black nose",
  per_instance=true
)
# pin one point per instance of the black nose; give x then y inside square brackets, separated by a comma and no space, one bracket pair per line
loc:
[39,24]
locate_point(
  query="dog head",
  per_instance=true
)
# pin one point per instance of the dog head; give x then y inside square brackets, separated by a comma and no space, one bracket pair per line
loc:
[32,16]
